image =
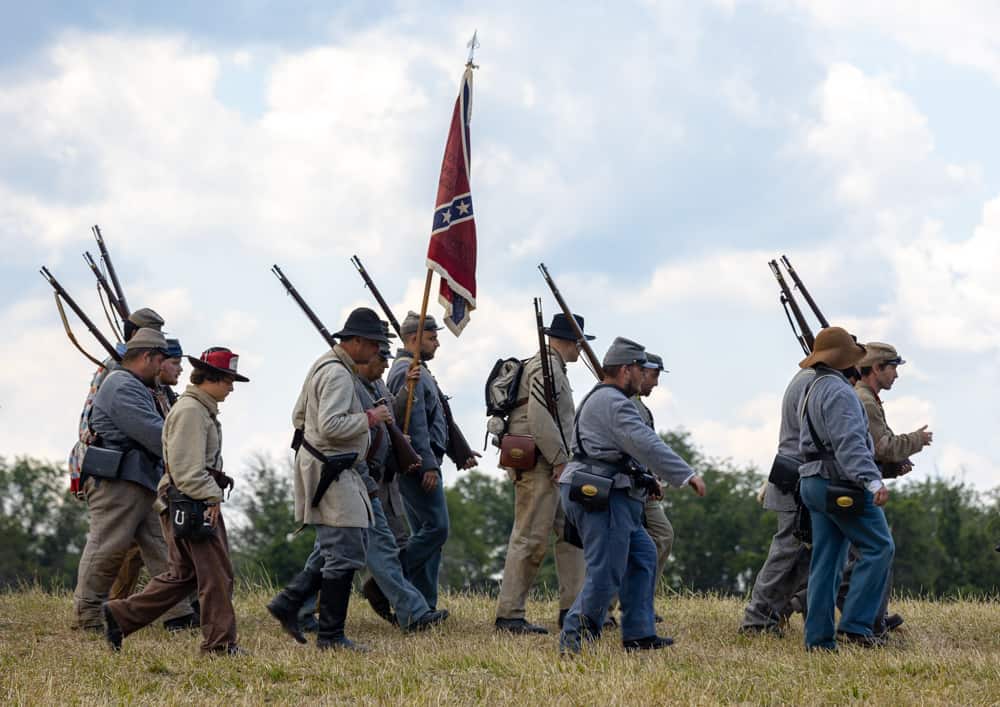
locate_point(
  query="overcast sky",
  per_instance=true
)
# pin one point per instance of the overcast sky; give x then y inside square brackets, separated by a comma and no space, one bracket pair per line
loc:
[653,155]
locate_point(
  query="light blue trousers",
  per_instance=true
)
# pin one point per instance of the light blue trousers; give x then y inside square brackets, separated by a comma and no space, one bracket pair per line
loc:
[832,535]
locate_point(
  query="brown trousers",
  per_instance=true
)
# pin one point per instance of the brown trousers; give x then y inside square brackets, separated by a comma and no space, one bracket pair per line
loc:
[538,515]
[203,564]
[128,576]
[121,515]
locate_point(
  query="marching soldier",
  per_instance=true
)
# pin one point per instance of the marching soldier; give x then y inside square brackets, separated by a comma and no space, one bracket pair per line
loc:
[603,496]
[786,569]
[892,451]
[128,575]
[331,441]
[192,452]
[537,511]
[423,493]
[654,519]
[657,524]
[126,426]
[392,596]
[838,478]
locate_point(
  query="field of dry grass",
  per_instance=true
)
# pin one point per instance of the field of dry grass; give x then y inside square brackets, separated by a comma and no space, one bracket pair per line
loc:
[949,653]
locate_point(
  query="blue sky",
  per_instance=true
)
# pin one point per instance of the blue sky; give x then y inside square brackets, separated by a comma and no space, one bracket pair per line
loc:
[654,155]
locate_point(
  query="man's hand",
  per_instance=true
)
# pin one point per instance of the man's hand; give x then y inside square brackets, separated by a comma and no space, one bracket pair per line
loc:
[905,468]
[557,471]
[657,495]
[697,484]
[377,415]
[212,513]
[881,496]
[413,374]
[926,436]
[472,462]
[430,480]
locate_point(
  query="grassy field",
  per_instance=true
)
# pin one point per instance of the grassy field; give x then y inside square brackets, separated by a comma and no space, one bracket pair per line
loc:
[949,653]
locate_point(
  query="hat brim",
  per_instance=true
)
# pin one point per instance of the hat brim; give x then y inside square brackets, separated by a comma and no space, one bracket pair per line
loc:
[381,337]
[426,328]
[566,335]
[199,364]
[837,359]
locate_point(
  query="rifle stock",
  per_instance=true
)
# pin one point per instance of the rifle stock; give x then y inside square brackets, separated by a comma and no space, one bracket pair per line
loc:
[459,450]
[581,340]
[406,456]
[62,293]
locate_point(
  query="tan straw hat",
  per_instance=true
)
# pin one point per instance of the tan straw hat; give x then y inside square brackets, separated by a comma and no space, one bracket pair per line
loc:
[836,348]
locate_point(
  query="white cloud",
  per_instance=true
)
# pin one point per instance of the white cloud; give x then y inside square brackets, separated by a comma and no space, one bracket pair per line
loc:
[871,134]
[752,436]
[961,32]
[955,462]
[947,289]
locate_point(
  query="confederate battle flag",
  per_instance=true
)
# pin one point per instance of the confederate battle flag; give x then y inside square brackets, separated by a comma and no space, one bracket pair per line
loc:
[452,251]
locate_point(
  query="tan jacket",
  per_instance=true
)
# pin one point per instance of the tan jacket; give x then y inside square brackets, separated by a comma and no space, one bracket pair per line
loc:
[889,447]
[330,412]
[192,443]
[533,418]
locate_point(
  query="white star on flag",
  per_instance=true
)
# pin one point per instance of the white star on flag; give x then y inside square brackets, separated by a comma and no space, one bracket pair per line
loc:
[446,216]
[463,208]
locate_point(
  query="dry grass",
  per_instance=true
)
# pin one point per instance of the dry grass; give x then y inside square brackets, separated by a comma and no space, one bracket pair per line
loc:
[949,653]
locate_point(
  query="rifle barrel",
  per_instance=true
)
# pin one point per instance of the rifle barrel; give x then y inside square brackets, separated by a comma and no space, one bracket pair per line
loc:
[584,345]
[803,333]
[306,309]
[370,284]
[61,292]
[805,293]
[106,257]
[106,286]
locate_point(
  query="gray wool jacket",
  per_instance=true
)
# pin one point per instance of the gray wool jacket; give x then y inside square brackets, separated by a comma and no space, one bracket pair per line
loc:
[125,415]
[842,427]
[788,437]
[428,428]
[608,427]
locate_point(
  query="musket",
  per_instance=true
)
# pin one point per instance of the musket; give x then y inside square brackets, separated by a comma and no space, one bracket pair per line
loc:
[103,283]
[803,333]
[406,456]
[459,450]
[805,293]
[106,257]
[581,340]
[306,309]
[370,284]
[548,383]
[62,293]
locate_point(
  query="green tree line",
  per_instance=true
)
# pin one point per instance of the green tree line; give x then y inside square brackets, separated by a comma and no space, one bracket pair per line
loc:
[944,530]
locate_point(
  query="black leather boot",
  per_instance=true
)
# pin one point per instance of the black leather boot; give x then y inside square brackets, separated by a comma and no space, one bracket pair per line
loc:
[285,606]
[334,596]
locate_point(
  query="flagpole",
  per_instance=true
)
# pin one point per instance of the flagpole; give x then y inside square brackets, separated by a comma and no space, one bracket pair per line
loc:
[411,383]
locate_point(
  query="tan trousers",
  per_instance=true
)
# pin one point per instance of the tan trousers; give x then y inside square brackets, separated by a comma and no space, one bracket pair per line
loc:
[203,564]
[662,533]
[121,514]
[537,515]
[128,575]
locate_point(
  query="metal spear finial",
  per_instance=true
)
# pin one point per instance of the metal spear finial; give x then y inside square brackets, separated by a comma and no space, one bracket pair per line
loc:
[473,45]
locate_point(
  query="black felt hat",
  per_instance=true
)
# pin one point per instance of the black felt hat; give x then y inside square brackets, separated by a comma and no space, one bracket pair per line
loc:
[562,329]
[364,322]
